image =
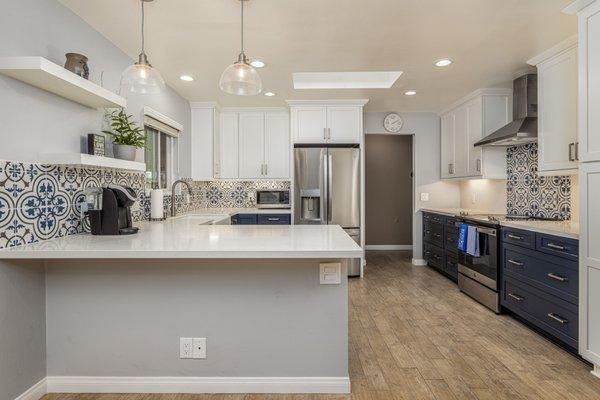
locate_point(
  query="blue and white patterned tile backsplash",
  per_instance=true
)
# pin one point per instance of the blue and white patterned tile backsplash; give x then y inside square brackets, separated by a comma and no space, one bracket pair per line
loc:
[531,194]
[40,202]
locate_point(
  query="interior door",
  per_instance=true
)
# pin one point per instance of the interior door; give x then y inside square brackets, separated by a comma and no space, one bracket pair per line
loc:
[277,145]
[344,124]
[252,145]
[343,185]
[228,146]
[309,123]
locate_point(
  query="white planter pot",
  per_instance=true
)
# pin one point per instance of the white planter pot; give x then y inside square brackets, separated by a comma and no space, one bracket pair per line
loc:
[124,152]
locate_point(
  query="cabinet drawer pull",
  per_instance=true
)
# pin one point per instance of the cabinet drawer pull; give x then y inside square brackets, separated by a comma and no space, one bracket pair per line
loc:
[556,246]
[273,219]
[516,297]
[515,237]
[437,235]
[517,263]
[557,277]
[436,257]
[558,318]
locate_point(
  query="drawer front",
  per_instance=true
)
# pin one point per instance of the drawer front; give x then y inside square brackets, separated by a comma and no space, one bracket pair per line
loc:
[273,219]
[435,218]
[561,247]
[451,266]
[433,233]
[450,222]
[551,314]
[552,274]
[244,219]
[434,256]
[518,237]
[451,239]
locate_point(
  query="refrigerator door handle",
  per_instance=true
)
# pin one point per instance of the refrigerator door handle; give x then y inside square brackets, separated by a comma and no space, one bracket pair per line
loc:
[324,191]
[329,187]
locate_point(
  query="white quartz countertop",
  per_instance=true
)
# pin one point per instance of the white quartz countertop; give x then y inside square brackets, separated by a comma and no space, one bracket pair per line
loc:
[233,211]
[567,229]
[185,237]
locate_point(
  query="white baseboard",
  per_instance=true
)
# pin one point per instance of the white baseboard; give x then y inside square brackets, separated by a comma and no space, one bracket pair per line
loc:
[107,384]
[418,261]
[35,392]
[388,247]
[596,371]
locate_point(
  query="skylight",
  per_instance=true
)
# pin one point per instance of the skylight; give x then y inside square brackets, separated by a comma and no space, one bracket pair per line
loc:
[345,80]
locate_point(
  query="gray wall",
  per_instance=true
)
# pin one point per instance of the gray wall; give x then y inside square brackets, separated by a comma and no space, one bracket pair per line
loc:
[22,327]
[261,318]
[427,155]
[44,122]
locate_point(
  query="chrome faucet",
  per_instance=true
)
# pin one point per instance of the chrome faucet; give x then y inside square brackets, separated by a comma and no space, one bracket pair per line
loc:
[173,187]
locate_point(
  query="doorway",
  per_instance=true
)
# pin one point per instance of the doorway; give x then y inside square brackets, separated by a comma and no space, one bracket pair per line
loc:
[388,192]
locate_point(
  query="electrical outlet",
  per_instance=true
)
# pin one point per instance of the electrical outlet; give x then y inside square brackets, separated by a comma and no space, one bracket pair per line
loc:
[186,347]
[330,273]
[474,198]
[424,196]
[199,351]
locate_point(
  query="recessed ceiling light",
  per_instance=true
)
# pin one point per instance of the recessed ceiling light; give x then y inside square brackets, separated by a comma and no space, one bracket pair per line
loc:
[345,80]
[186,78]
[269,94]
[444,62]
[258,64]
[410,92]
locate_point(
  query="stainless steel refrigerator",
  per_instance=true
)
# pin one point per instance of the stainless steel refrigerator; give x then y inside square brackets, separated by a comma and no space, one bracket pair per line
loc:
[327,189]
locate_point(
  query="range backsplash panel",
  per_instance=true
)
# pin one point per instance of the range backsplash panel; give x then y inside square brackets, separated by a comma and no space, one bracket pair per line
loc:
[531,194]
[40,202]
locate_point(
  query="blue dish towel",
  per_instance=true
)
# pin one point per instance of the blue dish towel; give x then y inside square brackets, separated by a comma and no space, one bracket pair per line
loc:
[462,237]
[472,241]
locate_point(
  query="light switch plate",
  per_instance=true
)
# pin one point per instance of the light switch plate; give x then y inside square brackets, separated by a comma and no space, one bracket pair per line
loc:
[330,273]
[424,196]
[199,351]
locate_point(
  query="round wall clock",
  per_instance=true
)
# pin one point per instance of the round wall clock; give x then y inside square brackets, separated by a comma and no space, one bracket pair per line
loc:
[393,122]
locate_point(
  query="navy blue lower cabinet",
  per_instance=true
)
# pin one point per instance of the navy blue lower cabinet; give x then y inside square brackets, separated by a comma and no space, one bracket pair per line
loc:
[440,235]
[274,219]
[540,282]
[554,316]
[244,219]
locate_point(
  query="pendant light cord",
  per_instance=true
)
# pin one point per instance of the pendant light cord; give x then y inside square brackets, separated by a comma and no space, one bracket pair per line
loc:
[143,25]
[242,30]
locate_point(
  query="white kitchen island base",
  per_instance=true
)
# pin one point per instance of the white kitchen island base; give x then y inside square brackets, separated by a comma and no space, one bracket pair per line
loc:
[113,324]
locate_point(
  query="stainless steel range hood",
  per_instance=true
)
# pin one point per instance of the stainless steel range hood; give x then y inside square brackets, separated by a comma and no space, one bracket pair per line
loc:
[523,128]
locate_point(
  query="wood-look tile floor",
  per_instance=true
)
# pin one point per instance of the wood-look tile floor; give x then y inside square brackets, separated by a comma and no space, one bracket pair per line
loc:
[413,335]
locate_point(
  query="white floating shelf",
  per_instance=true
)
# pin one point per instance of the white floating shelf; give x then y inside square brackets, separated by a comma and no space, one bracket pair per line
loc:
[87,160]
[44,74]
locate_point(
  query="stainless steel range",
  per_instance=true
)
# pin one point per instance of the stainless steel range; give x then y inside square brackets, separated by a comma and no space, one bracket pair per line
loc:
[479,275]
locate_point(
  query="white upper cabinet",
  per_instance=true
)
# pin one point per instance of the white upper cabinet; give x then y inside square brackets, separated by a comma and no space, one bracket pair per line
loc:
[465,123]
[327,121]
[589,89]
[228,154]
[344,124]
[205,122]
[447,145]
[557,109]
[252,144]
[277,145]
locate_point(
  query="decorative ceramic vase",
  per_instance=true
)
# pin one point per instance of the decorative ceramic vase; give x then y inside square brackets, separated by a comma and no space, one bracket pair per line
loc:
[124,151]
[77,63]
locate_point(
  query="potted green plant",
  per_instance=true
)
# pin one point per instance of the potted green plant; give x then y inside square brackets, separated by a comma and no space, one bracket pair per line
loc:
[127,136]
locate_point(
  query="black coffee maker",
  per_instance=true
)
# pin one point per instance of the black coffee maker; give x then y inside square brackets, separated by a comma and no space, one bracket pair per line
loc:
[114,218]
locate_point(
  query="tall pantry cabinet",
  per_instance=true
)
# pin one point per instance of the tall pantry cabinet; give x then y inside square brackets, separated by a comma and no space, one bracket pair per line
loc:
[589,171]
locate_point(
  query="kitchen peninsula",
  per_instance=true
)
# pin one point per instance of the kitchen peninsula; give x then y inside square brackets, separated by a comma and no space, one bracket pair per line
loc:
[265,298]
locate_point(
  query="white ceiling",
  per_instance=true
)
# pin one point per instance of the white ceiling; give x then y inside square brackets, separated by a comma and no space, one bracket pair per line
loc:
[489,41]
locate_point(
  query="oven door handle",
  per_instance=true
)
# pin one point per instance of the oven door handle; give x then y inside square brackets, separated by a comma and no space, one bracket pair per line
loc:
[482,229]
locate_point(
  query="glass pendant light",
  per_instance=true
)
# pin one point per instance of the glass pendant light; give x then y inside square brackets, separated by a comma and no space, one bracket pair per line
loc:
[241,78]
[141,77]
